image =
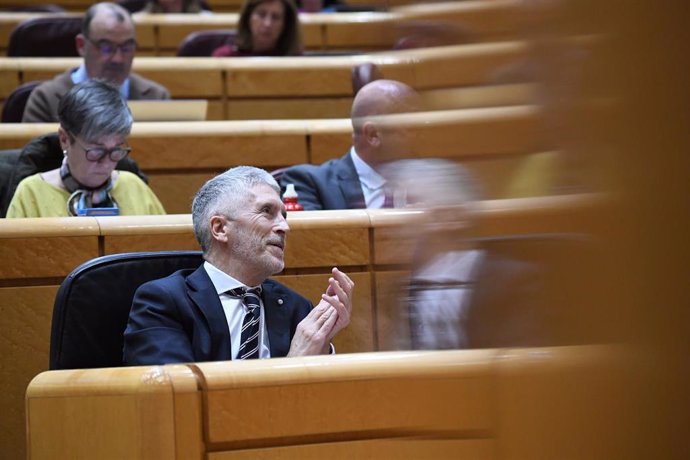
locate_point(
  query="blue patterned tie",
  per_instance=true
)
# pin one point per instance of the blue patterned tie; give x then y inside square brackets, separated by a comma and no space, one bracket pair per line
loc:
[249,339]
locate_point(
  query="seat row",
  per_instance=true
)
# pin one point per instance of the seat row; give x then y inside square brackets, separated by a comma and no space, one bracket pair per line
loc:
[161,34]
[500,145]
[294,87]
[364,243]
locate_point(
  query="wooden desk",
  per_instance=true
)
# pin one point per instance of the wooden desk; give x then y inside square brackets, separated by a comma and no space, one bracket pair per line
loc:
[365,243]
[161,34]
[295,87]
[441,404]
[496,143]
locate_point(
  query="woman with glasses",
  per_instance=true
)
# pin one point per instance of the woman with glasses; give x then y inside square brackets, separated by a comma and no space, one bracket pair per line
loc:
[94,124]
[266,28]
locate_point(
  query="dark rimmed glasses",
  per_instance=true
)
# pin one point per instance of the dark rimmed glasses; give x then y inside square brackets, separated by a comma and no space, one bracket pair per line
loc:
[98,153]
[108,49]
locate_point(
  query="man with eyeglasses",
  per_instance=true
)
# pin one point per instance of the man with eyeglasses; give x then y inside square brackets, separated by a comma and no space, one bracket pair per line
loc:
[108,44]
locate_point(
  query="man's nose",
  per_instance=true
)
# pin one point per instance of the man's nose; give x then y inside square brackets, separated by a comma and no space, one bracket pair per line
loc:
[118,55]
[282,225]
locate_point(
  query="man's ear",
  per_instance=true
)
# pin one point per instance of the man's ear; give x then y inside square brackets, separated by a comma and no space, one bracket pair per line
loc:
[219,229]
[80,43]
[371,134]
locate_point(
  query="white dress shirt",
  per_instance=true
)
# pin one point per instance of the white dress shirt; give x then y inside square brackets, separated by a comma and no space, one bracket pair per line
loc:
[372,182]
[80,75]
[235,310]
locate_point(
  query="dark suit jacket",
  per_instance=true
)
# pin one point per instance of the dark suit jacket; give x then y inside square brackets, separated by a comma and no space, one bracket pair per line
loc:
[331,185]
[42,105]
[180,319]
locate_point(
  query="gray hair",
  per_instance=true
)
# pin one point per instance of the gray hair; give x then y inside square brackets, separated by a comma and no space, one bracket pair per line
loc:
[434,182]
[224,195]
[120,13]
[93,109]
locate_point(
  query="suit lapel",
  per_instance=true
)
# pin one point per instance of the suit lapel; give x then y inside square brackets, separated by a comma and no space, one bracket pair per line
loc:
[277,318]
[350,186]
[203,294]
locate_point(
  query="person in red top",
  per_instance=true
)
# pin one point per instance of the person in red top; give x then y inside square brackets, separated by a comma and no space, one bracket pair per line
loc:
[266,28]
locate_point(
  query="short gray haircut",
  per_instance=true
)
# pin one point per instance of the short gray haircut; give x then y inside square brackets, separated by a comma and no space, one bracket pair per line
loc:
[224,195]
[434,182]
[94,109]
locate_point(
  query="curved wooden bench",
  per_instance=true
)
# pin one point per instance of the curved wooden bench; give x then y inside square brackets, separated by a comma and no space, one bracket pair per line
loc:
[442,404]
[294,87]
[39,253]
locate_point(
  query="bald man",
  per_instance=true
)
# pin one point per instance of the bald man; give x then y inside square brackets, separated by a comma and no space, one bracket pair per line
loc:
[108,44]
[353,181]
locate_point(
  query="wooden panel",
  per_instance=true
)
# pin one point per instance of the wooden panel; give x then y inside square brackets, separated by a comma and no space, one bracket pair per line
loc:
[469,65]
[371,31]
[326,144]
[146,36]
[52,256]
[497,19]
[25,316]
[9,80]
[468,132]
[392,319]
[359,335]
[138,401]
[374,397]
[176,191]
[186,81]
[217,145]
[375,449]
[147,233]
[308,76]
[478,96]
[286,108]
[327,247]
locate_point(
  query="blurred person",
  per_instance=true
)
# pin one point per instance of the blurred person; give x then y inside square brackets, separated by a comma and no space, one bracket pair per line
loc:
[467,293]
[228,308]
[266,28]
[173,6]
[94,124]
[108,44]
[353,180]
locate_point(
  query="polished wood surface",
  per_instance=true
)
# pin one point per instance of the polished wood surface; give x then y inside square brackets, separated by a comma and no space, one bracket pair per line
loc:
[304,87]
[161,34]
[474,403]
[368,244]
[498,145]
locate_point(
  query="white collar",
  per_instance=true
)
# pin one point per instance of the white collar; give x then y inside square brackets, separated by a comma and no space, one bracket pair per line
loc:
[221,281]
[367,175]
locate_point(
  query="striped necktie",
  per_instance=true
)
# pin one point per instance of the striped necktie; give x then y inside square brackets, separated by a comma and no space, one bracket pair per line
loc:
[249,339]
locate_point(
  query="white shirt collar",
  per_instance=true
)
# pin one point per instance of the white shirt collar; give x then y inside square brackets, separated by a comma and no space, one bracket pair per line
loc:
[367,175]
[80,75]
[222,282]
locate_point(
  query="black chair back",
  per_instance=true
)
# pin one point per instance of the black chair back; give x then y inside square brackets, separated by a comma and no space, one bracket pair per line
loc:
[50,36]
[92,305]
[204,42]
[13,108]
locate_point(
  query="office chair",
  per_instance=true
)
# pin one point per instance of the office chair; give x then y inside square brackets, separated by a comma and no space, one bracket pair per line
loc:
[49,36]
[204,42]
[13,109]
[93,302]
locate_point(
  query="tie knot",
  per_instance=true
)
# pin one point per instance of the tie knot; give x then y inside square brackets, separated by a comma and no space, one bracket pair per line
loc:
[250,296]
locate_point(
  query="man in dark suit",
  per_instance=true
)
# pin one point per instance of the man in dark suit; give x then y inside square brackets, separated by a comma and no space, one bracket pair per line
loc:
[199,315]
[107,44]
[353,181]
